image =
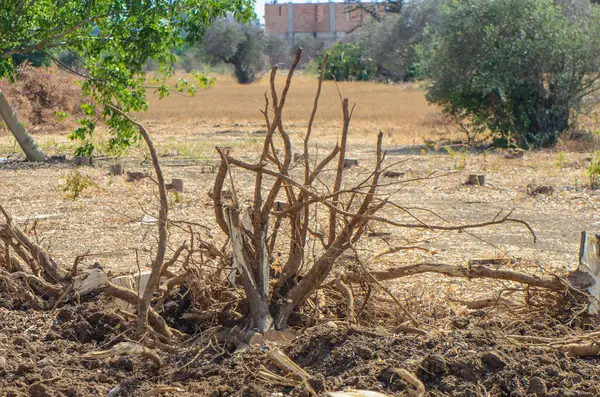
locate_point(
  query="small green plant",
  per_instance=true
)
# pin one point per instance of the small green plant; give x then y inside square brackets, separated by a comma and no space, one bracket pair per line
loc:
[460,158]
[76,183]
[561,161]
[62,116]
[177,197]
[593,170]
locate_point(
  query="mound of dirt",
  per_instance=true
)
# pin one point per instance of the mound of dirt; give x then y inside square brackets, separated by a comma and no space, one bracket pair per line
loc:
[41,354]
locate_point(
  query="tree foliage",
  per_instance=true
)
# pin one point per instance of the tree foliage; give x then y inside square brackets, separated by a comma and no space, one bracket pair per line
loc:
[520,68]
[390,42]
[112,39]
[391,7]
[346,62]
[239,44]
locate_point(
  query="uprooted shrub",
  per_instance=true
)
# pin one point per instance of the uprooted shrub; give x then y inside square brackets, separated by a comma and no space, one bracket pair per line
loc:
[285,239]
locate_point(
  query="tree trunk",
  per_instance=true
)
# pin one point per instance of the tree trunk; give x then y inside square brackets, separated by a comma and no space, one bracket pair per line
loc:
[255,276]
[25,140]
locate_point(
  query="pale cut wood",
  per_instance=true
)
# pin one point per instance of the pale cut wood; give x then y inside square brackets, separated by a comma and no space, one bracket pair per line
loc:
[589,262]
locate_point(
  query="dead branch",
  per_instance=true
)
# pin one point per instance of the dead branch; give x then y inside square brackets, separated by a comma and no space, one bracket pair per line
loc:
[41,287]
[347,292]
[284,363]
[581,350]
[11,233]
[549,282]
[154,279]
[173,259]
[339,171]
[129,296]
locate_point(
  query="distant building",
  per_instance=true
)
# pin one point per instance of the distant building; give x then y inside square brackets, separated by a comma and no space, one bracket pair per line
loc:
[328,22]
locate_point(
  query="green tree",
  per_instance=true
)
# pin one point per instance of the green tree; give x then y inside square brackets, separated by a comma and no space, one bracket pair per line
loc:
[390,41]
[113,39]
[312,48]
[278,50]
[239,44]
[346,62]
[520,68]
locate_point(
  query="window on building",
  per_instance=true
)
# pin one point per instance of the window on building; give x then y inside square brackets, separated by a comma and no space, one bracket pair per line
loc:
[279,10]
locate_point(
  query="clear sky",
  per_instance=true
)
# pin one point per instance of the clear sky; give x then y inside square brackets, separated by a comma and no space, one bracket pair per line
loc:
[260,9]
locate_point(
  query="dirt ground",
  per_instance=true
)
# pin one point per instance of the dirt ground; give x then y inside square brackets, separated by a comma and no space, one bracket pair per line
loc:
[43,353]
[466,352]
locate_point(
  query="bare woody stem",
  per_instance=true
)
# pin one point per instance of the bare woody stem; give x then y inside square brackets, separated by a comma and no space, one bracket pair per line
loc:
[163,218]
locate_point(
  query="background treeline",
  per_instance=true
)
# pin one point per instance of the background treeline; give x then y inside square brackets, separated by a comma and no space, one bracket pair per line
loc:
[516,72]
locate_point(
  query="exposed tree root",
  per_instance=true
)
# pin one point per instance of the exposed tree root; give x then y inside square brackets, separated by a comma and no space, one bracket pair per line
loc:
[156,321]
[128,349]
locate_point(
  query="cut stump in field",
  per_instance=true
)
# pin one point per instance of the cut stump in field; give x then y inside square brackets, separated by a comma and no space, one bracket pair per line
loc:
[348,162]
[82,160]
[135,282]
[281,206]
[176,185]
[476,180]
[133,176]
[394,174]
[116,169]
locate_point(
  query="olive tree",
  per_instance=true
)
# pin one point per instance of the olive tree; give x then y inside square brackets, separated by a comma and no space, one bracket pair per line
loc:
[520,68]
[390,41]
[239,44]
[112,39]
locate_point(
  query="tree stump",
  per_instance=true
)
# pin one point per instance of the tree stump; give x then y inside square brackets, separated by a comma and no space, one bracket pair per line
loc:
[133,176]
[394,174]
[177,185]
[476,180]
[350,162]
[116,169]
[82,160]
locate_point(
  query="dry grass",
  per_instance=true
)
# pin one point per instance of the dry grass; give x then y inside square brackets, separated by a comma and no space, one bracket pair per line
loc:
[400,111]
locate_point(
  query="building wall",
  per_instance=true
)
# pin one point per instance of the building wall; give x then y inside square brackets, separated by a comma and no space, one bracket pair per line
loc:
[276,18]
[325,21]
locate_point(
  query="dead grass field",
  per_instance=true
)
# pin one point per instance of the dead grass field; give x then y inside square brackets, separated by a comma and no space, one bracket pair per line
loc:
[401,111]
